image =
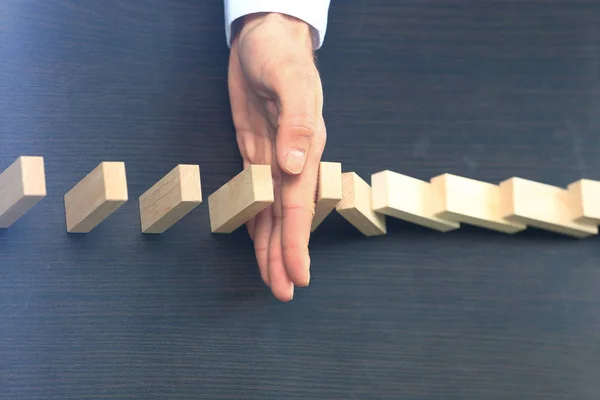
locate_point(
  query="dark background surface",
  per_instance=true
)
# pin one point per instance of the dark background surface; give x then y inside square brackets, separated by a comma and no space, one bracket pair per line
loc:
[487,90]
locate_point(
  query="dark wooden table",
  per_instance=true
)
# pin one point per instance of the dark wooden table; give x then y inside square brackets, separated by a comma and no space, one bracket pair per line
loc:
[487,90]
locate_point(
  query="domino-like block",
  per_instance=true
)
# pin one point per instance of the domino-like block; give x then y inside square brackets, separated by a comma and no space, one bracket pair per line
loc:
[585,201]
[356,206]
[170,199]
[95,197]
[22,186]
[329,191]
[541,206]
[240,199]
[472,202]
[406,198]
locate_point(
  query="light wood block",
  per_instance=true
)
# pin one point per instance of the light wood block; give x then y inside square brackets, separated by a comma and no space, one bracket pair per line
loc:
[329,191]
[541,206]
[356,206]
[240,199]
[96,196]
[472,202]
[585,201]
[22,186]
[407,198]
[170,199]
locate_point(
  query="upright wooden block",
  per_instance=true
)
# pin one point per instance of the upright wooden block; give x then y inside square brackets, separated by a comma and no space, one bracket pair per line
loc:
[240,199]
[95,197]
[585,201]
[408,199]
[22,186]
[329,191]
[542,206]
[472,202]
[170,199]
[356,206]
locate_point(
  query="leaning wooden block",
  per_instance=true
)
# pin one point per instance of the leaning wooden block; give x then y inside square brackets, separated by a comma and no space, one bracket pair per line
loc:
[170,199]
[470,201]
[356,206]
[408,199]
[96,197]
[240,199]
[329,191]
[585,201]
[542,206]
[22,186]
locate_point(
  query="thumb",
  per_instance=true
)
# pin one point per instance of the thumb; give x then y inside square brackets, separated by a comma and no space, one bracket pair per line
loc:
[299,95]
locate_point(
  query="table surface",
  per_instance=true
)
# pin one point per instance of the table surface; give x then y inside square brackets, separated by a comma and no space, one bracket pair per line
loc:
[487,91]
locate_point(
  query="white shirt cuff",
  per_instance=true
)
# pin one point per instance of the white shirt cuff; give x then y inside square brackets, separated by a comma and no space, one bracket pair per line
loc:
[313,12]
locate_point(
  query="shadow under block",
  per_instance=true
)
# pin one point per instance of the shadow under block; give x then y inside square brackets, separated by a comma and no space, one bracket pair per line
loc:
[96,197]
[406,198]
[170,199]
[585,201]
[22,186]
[240,199]
[356,206]
[329,191]
[472,202]
[541,206]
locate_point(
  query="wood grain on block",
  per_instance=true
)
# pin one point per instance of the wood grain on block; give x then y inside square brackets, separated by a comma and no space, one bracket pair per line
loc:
[585,201]
[170,199]
[96,196]
[541,206]
[408,199]
[472,202]
[356,206]
[329,191]
[240,199]
[22,186]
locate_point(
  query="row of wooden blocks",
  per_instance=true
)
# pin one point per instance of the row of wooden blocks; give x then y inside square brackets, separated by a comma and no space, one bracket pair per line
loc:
[442,204]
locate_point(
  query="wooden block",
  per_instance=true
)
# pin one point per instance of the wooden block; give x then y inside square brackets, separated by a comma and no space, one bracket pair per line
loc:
[329,191]
[470,201]
[408,199]
[541,206]
[170,199]
[95,197]
[356,206]
[240,199]
[22,186]
[585,201]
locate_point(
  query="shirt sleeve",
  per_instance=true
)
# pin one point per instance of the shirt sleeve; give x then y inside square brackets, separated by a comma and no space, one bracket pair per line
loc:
[313,12]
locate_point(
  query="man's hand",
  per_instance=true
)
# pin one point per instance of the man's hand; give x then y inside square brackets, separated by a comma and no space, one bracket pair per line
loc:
[276,101]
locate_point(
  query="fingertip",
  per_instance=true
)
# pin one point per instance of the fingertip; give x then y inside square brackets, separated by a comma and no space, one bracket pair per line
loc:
[294,161]
[283,294]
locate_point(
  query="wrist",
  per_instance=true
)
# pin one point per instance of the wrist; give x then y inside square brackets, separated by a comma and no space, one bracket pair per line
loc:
[296,28]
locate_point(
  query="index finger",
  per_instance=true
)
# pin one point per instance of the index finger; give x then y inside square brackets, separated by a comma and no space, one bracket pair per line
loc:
[298,197]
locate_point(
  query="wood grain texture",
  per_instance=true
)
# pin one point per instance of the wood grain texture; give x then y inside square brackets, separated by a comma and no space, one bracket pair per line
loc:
[482,89]
[22,186]
[329,191]
[407,198]
[170,199]
[241,198]
[356,206]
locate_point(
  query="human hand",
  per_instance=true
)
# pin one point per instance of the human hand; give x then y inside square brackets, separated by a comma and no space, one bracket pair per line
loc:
[276,102]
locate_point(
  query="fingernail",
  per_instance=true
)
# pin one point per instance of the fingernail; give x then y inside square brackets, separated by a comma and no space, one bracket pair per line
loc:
[294,161]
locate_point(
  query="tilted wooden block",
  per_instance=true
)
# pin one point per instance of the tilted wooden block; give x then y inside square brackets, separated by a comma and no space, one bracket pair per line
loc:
[240,199]
[170,199]
[22,186]
[541,206]
[96,196]
[585,201]
[329,191]
[408,199]
[470,201]
[356,206]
